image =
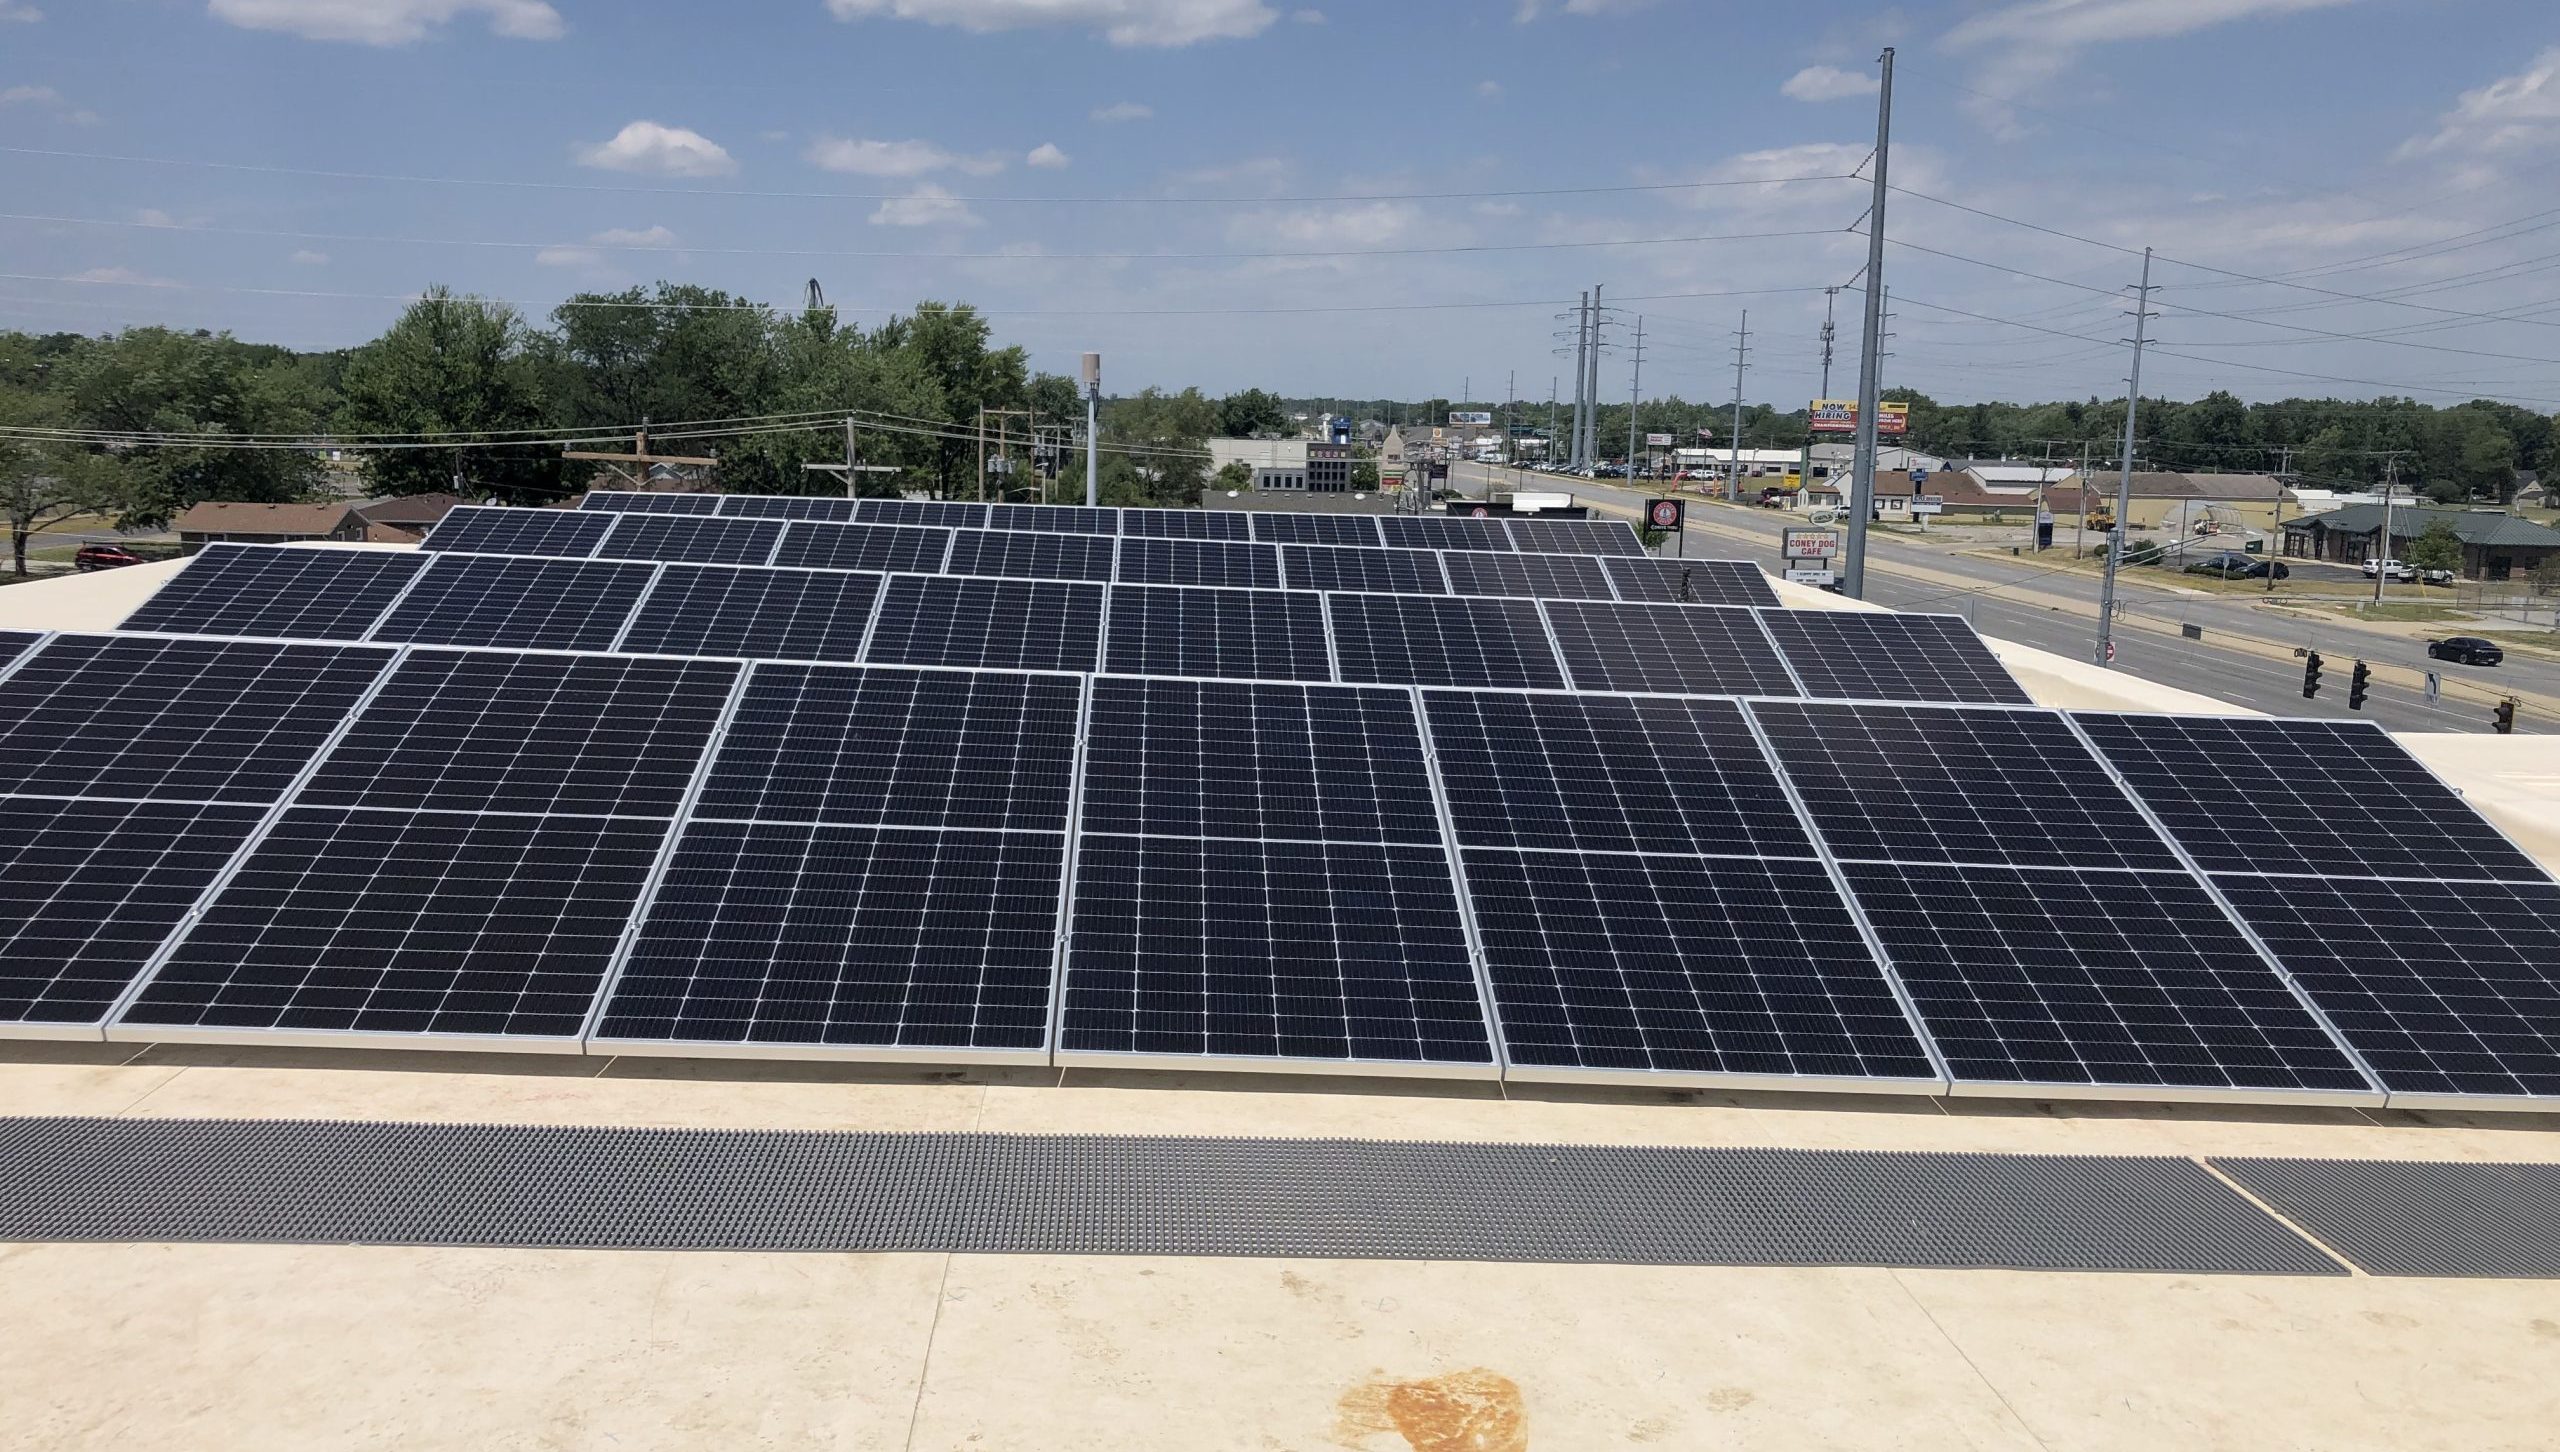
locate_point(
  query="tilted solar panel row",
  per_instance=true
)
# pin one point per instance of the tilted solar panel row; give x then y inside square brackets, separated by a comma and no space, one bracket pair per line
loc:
[1543,884]
[991,618]
[1435,531]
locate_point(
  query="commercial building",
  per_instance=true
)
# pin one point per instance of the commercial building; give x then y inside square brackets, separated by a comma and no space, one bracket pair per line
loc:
[230,523]
[2494,546]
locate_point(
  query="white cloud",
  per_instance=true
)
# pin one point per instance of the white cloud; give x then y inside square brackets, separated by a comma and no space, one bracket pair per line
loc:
[626,237]
[1528,10]
[1152,23]
[1359,225]
[23,14]
[123,276]
[1047,157]
[2030,45]
[30,96]
[1490,90]
[646,146]
[926,206]
[591,252]
[308,258]
[1827,83]
[2507,114]
[568,257]
[1119,111]
[895,158]
[388,22]
[154,217]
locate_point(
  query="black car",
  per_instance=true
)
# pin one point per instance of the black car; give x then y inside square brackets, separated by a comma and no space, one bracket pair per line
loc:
[2231,565]
[2466,650]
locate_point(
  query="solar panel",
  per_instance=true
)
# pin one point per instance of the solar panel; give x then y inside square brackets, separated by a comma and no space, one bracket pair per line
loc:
[988,624]
[701,541]
[1273,635]
[1923,784]
[1228,759]
[1186,524]
[1388,572]
[1608,774]
[889,548]
[620,501]
[924,944]
[1637,964]
[2445,989]
[407,923]
[526,604]
[2326,797]
[470,731]
[1443,532]
[898,748]
[756,614]
[2047,978]
[1862,656]
[1199,562]
[175,719]
[1575,536]
[1054,518]
[1690,582]
[940,513]
[14,643]
[1348,953]
[303,594]
[787,506]
[1025,555]
[1552,577]
[1676,649]
[489,530]
[1317,529]
[89,889]
[1435,640]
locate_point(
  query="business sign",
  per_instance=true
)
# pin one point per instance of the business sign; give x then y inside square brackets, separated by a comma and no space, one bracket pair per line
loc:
[1918,478]
[1666,514]
[1928,504]
[1813,577]
[1840,416]
[1810,544]
[1439,471]
[1470,420]
[1657,441]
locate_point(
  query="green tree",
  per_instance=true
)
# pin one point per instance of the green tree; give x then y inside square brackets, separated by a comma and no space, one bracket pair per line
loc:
[2437,548]
[175,395]
[453,366]
[1154,449]
[1251,413]
[1234,476]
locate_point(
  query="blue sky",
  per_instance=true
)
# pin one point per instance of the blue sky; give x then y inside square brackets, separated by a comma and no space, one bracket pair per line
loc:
[1101,173]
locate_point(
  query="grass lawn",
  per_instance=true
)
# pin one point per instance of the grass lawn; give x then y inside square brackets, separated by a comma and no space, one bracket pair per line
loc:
[2404,610]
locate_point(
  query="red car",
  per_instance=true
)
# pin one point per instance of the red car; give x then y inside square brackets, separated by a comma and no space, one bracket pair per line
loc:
[104,557]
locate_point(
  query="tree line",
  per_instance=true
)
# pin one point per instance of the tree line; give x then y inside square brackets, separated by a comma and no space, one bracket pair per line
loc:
[465,394]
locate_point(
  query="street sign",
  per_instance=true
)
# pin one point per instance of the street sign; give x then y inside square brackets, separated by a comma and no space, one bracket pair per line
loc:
[1809,544]
[1813,577]
[1919,477]
[1667,514]
[1480,511]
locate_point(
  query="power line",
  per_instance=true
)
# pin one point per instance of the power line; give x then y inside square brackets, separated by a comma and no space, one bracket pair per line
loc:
[634,189]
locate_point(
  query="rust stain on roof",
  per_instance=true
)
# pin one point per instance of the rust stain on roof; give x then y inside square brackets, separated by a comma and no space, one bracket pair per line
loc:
[1466,1411]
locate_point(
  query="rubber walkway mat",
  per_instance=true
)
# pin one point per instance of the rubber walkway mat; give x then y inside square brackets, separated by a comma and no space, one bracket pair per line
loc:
[482,1185]
[2430,1219]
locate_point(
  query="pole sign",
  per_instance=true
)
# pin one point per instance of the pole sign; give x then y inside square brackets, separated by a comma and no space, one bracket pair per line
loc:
[1812,576]
[1840,416]
[1928,504]
[1919,476]
[1657,441]
[1459,420]
[1670,514]
[1809,544]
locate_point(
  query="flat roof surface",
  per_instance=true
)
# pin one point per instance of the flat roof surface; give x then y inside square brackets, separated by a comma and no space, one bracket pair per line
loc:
[284,1346]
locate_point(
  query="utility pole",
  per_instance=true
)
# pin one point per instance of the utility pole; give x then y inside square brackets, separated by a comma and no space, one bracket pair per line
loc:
[852,468]
[1862,479]
[2124,480]
[1581,373]
[2382,559]
[1741,350]
[1830,300]
[1092,429]
[1635,400]
[1591,415]
[1555,391]
[1510,390]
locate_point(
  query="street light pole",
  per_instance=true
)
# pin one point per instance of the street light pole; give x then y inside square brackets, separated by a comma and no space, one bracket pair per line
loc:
[1092,429]
[2124,480]
[1862,478]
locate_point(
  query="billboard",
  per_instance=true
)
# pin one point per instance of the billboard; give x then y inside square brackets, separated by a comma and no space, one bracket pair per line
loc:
[1471,420]
[1840,416]
[1657,441]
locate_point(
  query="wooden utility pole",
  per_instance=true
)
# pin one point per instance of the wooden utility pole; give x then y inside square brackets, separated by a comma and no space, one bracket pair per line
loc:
[1003,441]
[633,467]
[852,468]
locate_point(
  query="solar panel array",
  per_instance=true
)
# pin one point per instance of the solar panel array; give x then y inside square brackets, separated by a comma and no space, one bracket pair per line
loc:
[1526,826]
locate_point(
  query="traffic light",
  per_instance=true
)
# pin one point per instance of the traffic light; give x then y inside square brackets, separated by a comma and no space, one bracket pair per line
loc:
[2506,718]
[2310,674]
[2357,683]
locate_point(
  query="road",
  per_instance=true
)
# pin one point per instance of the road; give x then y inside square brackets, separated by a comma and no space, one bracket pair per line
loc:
[2056,610]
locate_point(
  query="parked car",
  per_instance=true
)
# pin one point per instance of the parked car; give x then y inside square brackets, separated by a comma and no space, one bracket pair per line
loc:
[2466,650]
[2399,572]
[2444,578]
[104,557]
[2232,565]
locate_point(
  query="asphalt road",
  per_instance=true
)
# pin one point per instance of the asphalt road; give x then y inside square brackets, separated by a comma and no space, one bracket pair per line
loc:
[2056,610]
